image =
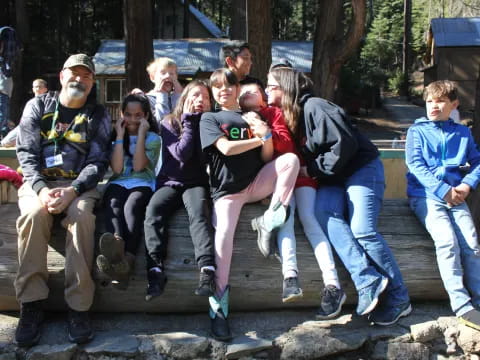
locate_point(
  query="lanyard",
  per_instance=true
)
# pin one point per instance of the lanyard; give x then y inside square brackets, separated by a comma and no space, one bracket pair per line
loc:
[52,129]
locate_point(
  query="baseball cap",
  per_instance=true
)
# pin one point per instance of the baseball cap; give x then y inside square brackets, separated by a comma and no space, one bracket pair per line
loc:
[80,60]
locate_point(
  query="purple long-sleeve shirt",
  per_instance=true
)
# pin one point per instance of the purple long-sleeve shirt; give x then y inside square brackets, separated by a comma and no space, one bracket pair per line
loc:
[183,163]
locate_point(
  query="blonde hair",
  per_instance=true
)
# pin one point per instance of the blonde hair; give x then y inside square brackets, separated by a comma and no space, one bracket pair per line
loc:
[441,88]
[162,63]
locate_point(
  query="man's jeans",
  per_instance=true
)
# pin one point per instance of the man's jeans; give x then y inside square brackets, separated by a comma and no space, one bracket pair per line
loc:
[349,216]
[456,244]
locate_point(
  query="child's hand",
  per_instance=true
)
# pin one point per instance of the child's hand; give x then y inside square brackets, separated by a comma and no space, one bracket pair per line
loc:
[120,128]
[453,197]
[463,190]
[257,125]
[144,126]
[163,82]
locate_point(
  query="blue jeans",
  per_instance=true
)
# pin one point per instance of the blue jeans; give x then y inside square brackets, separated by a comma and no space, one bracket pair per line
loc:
[349,216]
[4,113]
[457,249]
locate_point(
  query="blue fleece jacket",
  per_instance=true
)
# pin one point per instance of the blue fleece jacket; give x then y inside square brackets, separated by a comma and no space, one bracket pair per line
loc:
[435,153]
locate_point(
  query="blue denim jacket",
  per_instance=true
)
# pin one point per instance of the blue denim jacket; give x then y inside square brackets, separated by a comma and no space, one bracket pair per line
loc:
[436,155]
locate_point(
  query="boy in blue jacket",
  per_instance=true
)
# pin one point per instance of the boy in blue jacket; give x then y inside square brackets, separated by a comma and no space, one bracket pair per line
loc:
[437,154]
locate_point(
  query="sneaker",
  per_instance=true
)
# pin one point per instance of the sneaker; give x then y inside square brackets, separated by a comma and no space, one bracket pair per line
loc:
[220,328]
[385,316]
[291,290]
[79,328]
[29,324]
[331,304]
[206,284]
[368,297]
[156,283]
[471,318]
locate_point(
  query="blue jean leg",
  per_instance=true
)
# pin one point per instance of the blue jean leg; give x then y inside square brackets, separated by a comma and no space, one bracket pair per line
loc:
[365,190]
[469,249]
[451,249]
[4,113]
[330,206]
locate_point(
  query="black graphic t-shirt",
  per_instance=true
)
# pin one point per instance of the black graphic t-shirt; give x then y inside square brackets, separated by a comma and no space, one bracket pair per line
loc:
[228,174]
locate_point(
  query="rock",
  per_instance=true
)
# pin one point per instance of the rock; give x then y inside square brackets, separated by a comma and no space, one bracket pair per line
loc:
[400,351]
[425,332]
[181,345]
[450,337]
[52,352]
[399,333]
[468,339]
[8,356]
[446,322]
[117,343]
[309,342]
[245,345]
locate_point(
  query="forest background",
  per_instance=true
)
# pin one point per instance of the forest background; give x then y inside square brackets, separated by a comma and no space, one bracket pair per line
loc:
[50,30]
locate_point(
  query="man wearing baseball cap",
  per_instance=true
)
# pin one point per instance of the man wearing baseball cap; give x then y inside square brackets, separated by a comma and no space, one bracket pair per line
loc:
[63,150]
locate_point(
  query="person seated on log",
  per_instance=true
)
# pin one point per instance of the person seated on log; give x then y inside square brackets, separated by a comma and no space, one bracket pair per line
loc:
[438,183]
[241,171]
[166,92]
[182,180]
[252,97]
[350,193]
[63,148]
[136,150]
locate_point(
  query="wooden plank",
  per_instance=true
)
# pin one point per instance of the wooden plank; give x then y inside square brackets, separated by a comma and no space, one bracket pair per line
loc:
[256,282]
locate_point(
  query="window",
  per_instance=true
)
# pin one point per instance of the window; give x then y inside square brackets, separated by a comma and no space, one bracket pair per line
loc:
[114,90]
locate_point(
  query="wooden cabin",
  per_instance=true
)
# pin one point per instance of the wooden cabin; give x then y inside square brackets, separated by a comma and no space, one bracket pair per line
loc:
[453,53]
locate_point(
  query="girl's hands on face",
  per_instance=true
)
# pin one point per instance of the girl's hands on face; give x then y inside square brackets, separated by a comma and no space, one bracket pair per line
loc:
[144,126]
[120,128]
[188,106]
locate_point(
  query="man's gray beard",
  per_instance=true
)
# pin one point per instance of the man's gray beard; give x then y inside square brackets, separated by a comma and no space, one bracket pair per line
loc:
[75,91]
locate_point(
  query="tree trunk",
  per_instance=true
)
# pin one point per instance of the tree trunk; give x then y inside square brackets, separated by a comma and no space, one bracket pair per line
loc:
[238,15]
[259,31]
[407,24]
[186,19]
[23,34]
[331,49]
[139,42]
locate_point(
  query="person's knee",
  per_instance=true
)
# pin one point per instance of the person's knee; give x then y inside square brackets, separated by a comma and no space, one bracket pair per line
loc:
[82,216]
[39,213]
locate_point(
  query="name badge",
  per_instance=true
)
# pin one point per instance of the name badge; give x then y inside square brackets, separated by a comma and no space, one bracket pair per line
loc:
[55,160]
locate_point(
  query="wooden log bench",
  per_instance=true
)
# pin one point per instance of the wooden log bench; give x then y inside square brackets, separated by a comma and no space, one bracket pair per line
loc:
[256,282]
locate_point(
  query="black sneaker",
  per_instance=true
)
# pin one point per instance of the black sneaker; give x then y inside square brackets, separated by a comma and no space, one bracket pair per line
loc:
[156,283]
[220,328]
[291,290]
[331,304]
[206,284]
[79,328]
[471,318]
[28,328]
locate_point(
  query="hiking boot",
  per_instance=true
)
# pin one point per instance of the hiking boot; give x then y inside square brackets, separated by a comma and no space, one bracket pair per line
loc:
[29,324]
[368,297]
[121,271]
[79,328]
[206,283]
[266,225]
[471,319]
[291,290]
[331,304]
[220,327]
[389,315]
[111,249]
[156,283]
